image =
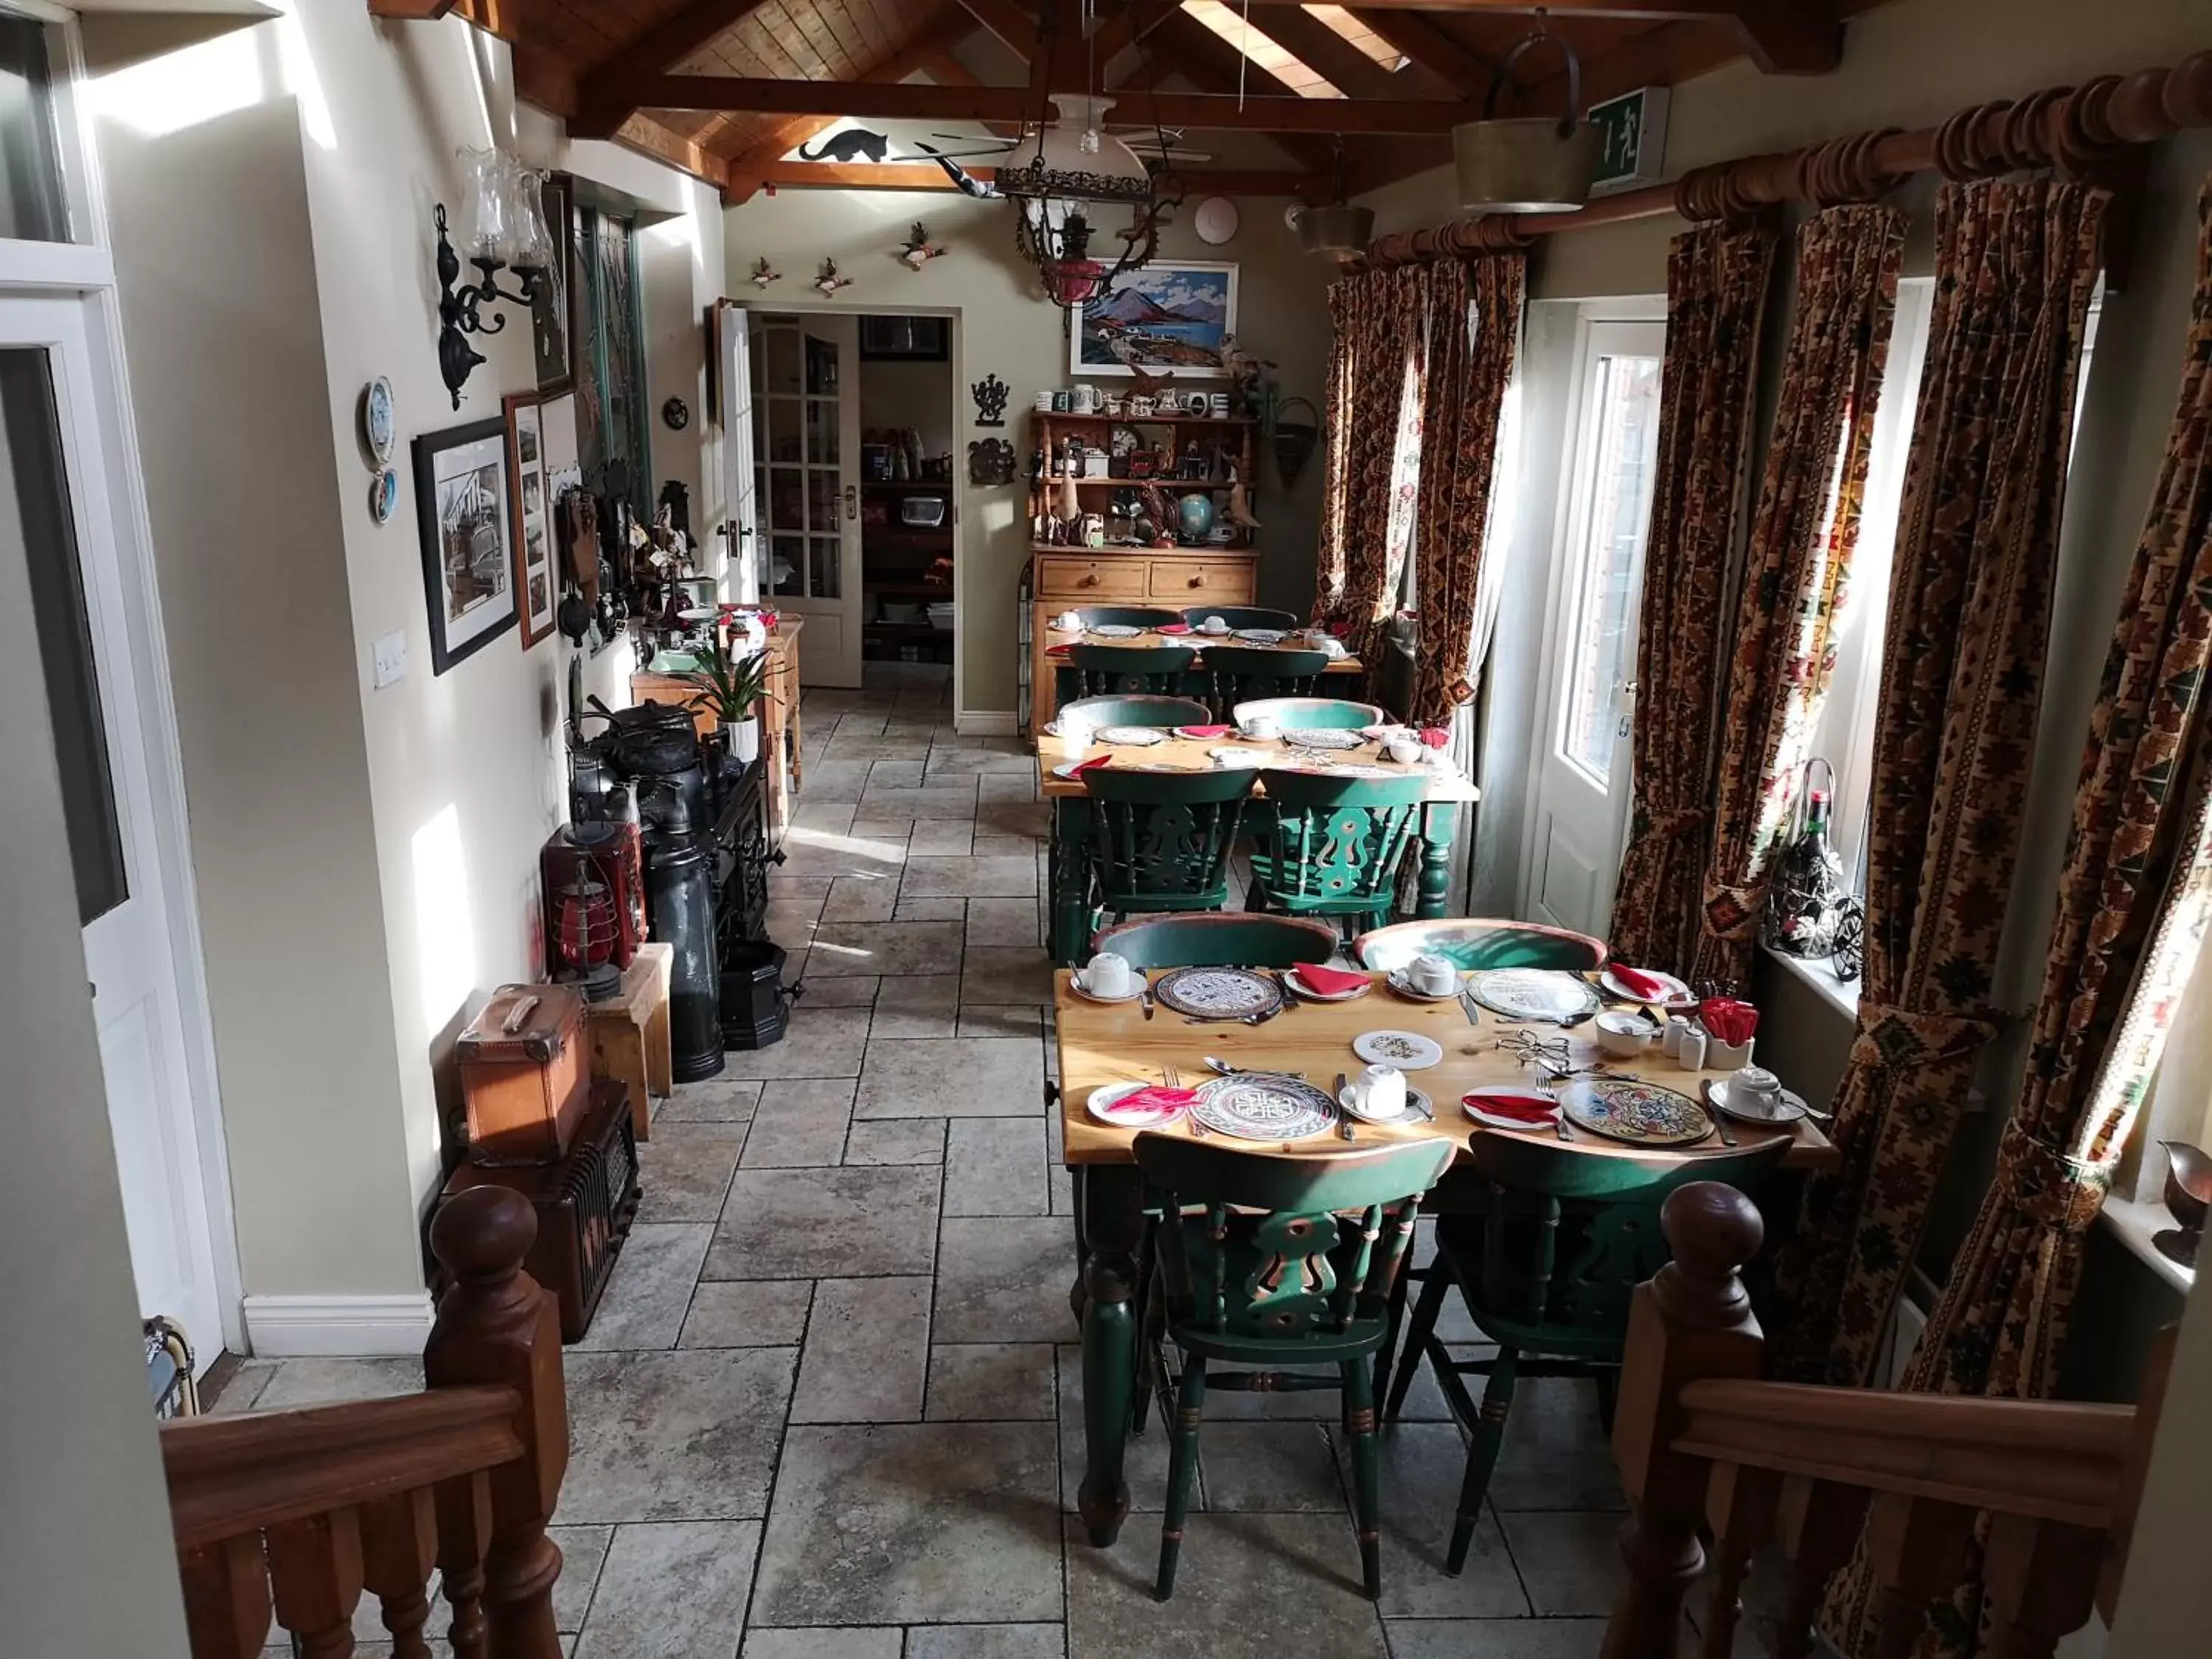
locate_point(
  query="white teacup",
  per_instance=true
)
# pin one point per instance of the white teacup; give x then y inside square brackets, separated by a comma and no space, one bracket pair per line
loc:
[1107,975]
[1756,1092]
[1066,623]
[1403,749]
[1380,1091]
[1214,625]
[1622,1034]
[1263,728]
[1075,736]
[1432,975]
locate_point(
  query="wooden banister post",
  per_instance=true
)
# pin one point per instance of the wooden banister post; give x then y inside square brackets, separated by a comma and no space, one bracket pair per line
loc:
[496,1326]
[1692,1321]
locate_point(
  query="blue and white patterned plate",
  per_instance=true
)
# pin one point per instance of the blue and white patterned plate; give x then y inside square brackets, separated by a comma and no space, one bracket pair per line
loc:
[1218,993]
[1642,1114]
[1322,737]
[1263,1106]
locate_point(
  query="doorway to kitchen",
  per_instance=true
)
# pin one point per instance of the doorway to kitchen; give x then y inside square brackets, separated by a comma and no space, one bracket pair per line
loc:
[906,396]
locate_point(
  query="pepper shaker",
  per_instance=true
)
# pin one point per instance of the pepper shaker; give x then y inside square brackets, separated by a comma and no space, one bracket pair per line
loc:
[1689,1053]
[1671,1042]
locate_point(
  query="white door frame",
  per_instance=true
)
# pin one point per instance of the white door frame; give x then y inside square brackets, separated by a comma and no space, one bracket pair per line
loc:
[85,270]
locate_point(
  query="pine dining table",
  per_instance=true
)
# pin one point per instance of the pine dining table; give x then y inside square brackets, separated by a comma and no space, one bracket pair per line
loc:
[1101,1044]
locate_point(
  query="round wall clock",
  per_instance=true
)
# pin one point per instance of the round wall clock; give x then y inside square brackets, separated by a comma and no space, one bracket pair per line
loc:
[1215,220]
[378,420]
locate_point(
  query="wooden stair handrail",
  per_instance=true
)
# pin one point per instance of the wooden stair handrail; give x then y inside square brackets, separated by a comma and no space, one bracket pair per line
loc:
[232,1474]
[2048,1460]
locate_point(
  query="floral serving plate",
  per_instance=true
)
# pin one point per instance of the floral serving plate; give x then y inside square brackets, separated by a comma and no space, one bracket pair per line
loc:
[1533,993]
[1129,737]
[1218,993]
[1262,1106]
[1322,737]
[1409,1051]
[1642,1114]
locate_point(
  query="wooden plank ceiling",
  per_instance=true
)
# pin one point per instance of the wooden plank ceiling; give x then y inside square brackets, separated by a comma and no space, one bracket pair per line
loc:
[726,89]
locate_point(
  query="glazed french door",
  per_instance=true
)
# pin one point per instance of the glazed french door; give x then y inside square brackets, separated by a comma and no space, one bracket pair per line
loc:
[806,442]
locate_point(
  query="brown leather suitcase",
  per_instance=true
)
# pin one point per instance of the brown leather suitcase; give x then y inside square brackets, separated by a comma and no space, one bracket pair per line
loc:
[524,1066]
[584,1205]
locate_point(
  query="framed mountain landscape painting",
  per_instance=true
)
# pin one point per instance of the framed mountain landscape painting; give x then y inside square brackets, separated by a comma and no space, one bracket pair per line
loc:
[1170,315]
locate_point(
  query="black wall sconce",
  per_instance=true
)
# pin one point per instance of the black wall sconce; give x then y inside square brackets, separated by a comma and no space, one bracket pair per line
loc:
[460,310]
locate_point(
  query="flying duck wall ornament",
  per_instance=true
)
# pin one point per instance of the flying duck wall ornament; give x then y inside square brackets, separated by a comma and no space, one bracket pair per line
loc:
[763,273]
[829,281]
[916,252]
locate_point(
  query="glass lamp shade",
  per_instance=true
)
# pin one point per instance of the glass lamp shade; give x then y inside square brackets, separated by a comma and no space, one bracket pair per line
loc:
[533,243]
[1071,282]
[502,217]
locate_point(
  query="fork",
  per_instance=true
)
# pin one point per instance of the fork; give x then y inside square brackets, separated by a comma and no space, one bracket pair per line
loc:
[1173,1075]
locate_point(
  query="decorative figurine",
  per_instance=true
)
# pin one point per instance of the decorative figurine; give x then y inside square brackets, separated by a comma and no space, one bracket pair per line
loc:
[764,274]
[1240,503]
[916,250]
[990,462]
[990,396]
[826,282]
[853,144]
[676,414]
[2188,1199]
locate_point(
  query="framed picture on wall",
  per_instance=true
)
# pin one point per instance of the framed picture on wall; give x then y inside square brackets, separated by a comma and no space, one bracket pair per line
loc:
[551,316]
[464,495]
[531,515]
[1172,315]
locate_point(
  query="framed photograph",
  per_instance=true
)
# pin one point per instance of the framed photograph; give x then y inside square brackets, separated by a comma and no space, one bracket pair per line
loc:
[551,314]
[463,496]
[536,584]
[1171,315]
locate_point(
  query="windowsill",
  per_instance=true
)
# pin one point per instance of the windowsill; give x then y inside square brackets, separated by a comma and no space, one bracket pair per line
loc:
[2133,1224]
[1821,978]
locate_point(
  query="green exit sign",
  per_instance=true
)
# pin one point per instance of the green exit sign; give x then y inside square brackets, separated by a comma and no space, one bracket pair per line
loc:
[1635,128]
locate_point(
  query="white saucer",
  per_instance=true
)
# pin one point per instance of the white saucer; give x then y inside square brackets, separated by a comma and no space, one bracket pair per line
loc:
[1409,1051]
[1075,984]
[1113,1091]
[1419,1109]
[1298,983]
[1675,990]
[1792,1106]
[1403,985]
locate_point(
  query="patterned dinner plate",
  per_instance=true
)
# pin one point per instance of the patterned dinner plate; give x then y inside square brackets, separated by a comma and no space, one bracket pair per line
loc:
[1262,1106]
[1129,737]
[1218,993]
[1322,737]
[1409,1051]
[1642,1114]
[1114,630]
[1533,994]
[1339,769]
[1248,760]
[1260,635]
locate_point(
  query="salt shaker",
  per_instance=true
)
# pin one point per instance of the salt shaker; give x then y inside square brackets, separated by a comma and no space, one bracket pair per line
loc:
[1670,1044]
[1689,1053]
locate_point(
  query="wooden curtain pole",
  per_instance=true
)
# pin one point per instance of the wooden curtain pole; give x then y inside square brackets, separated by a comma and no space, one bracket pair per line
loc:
[2074,128]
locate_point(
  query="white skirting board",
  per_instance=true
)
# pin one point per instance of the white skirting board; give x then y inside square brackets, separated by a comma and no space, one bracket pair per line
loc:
[984,723]
[337,1326]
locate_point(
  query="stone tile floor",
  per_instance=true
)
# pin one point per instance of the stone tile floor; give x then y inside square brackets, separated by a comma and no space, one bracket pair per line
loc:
[829,1406]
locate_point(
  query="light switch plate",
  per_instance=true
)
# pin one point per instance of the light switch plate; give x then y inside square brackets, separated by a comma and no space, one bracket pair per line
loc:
[390,653]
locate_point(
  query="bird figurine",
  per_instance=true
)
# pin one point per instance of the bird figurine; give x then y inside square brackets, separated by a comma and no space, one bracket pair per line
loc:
[1240,503]
[829,282]
[1246,370]
[764,273]
[1141,384]
[967,184]
[916,250]
[1160,513]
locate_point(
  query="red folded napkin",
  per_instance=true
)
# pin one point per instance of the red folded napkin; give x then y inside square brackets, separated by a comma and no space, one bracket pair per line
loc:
[1436,737]
[1085,766]
[1648,986]
[1329,981]
[1058,650]
[1151,1101]
[1521,1109]
[1204,730]
[1731,1021]
[1172,628]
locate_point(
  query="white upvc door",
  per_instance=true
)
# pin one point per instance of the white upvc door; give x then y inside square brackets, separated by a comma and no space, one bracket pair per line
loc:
[55,504]
[1579,808]
[742,543]
[807,440]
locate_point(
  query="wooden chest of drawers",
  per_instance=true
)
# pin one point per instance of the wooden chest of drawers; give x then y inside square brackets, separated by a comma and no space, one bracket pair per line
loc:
[1065,579]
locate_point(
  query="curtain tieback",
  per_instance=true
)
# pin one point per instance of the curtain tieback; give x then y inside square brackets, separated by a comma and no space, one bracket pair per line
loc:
[1732,913]
[1890,1036]
[2042,1183]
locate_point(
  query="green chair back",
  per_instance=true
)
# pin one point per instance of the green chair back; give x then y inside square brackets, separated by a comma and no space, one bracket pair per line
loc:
[1126,616]
[1134,711]
[1244,616]
[1297,713]
[1161,841]
[1106,670]
[1222,941]
[1236,674]
[1278,1252]
[1333,845]
[1475,942]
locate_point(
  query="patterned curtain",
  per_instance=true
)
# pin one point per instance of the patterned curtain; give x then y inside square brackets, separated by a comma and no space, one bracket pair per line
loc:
[1798,561]
[2132,908]
[1473,331]
[1377,316]
[1716,282]
[1962,683]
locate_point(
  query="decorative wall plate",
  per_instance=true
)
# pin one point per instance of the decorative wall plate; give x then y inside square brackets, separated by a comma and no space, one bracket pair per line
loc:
[1262,1106]
[380,421]
[384,494]
[1642,1114]
[1322,737]
[1218,993]
[1409,1051]
[1533,993]
[1215,221]
[1129,737]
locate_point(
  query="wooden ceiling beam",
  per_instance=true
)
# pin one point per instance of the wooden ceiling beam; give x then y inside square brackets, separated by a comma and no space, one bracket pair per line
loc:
[601,112]
[1014,25]
[1132,24]
[1408,32]
[1263,113]
[1327,53]
[912,176]
[1181,44]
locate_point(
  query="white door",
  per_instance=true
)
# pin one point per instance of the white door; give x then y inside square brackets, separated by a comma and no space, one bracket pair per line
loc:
[1580,809]
[806,432]
[53,505]
[741,539]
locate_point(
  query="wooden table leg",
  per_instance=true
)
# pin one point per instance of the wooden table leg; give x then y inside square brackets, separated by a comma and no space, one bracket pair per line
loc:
[1110,1198]
[1070,879]
[1439,823]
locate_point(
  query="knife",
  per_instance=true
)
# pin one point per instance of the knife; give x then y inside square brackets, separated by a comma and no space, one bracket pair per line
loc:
[1467,1005]
[1144,997]
[1344,1117]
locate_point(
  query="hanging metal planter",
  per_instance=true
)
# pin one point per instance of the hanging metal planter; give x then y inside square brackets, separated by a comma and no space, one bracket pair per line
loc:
[1337,229]
[1294,441]
[1528,163]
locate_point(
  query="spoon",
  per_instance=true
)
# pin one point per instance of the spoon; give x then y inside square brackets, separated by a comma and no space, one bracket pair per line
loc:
[1227,1070]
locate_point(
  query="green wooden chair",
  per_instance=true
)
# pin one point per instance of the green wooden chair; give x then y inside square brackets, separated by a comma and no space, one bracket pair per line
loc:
[1233,675]
[1547,1272]
[1475,942]
[1293,714]
[1134,711]
[1244,616]
[1332,845]
[1125,616]
[1272,1260]
[1218,941]
[1107,670]
[1160,841]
